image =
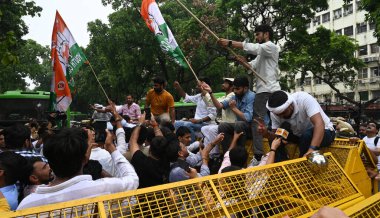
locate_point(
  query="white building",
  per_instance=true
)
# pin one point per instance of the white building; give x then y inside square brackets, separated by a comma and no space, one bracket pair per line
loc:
[350,21]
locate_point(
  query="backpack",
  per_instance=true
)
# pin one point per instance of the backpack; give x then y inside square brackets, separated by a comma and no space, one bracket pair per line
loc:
[376,140]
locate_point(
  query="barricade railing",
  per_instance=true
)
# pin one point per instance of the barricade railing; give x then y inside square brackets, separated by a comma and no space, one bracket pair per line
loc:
[287,188]
[370,207]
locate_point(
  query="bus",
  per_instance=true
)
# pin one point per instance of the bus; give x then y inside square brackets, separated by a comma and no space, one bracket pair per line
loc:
[20,106]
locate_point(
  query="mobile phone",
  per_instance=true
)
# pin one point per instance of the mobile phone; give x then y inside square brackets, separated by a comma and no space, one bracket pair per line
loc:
[147,113]
[184,165]
[100,130]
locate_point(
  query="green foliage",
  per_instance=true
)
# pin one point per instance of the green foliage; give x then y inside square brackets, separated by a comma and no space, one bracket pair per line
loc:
[33,62]
[328,56]
[13,27]
[373,16]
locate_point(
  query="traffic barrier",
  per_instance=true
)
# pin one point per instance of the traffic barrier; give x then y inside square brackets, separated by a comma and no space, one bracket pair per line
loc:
[370,207]
[286,188]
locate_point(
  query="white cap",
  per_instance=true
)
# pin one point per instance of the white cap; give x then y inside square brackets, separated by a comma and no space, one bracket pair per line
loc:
[229,79]
[98,106]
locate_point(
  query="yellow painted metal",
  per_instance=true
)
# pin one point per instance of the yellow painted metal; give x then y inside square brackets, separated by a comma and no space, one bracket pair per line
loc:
[286,188]
[370,207]
[355,157]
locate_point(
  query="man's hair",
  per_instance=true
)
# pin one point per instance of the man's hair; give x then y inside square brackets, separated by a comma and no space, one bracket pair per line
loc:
[159,80]
[182,131]
[372,121]
[241,81]
[29,169]
[158,146]
[230,169]
[16,135]
[14,166]
[172,150]
[66,151]
[168,125]
[238,156]
[277,99]
[265,29]
[93,168]
[130,95]
[206,80]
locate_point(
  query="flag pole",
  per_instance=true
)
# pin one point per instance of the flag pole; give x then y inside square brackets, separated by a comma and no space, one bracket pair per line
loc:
[93,72]
[192,70]
[217,38]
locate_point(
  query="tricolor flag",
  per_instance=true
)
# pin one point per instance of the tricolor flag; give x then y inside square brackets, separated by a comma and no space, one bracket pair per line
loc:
[156,23]
[67,58]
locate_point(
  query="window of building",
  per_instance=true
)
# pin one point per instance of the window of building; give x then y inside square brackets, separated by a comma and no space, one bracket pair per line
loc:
[351,95]
[337,13]
[358,5]
[307,81]
[363,95]
[374,48]
[363,73]
[361,27]
[372,25]
[317,20]
[326,17]
[349,31]
[338,32]
[347,9]
[363,50]
[317,81]
[375,72]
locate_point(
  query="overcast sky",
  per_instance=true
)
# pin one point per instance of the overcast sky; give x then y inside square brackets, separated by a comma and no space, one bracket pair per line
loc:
[75,13]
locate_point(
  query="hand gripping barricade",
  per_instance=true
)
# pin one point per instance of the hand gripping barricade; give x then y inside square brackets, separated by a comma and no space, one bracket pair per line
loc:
[288,188]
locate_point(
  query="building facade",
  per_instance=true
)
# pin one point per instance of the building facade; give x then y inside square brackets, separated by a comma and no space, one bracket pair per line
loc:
[347,20]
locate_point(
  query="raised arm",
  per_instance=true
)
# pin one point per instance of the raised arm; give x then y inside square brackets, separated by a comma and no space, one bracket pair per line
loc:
[179,89]
[215,101]
[133,145]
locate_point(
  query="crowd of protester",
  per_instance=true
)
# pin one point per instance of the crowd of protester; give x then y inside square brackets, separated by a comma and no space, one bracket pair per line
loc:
[41,164]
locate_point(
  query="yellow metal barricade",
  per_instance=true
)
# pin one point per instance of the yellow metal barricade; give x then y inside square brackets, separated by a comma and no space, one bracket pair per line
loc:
[370,207]
[287,188]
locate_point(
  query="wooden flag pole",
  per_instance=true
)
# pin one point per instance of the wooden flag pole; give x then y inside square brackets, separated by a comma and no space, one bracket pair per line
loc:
[188,64]
[93,72]
[217,38]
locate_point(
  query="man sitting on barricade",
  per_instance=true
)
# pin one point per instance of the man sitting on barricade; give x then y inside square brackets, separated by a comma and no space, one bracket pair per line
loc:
[241,105]
[311,127]
[204,113]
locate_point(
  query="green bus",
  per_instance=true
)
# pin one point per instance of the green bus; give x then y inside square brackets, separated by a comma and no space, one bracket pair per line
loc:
[20,106]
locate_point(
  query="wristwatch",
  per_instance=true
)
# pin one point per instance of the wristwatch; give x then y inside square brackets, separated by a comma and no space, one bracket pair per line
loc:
[315,148]
[230,43]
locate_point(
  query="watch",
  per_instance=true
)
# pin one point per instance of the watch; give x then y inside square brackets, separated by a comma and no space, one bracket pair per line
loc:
[230,43]
[315,148]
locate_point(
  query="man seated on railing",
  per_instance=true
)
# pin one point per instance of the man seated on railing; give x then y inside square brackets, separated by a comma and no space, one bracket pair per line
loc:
[67,153]
[311,127]
[242,106]
[204,113]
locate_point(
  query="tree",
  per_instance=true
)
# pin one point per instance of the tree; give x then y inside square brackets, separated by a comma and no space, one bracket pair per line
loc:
[327,56]
[373,16]
[13,27]
[33,62]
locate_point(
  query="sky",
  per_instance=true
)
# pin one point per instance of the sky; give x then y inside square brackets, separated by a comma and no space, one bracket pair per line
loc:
[75,13]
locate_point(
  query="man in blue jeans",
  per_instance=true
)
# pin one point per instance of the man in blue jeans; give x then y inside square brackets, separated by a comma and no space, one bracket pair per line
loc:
[311,128]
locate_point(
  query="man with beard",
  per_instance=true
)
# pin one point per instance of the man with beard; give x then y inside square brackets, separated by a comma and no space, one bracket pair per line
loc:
[266,65]
[39,173]
[160,101]
[311,127]
[242,106]
[131,109]
[204,113]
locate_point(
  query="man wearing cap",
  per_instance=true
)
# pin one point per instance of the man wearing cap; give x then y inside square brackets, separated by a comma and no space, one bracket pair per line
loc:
[211,131]
[242,106]
[266,65]
[311,126]
[205,114]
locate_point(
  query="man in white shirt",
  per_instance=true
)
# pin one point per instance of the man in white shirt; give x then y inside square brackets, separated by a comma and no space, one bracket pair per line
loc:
[266,65]
[67,153]
[370,140]
[311,127]
[204,114]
